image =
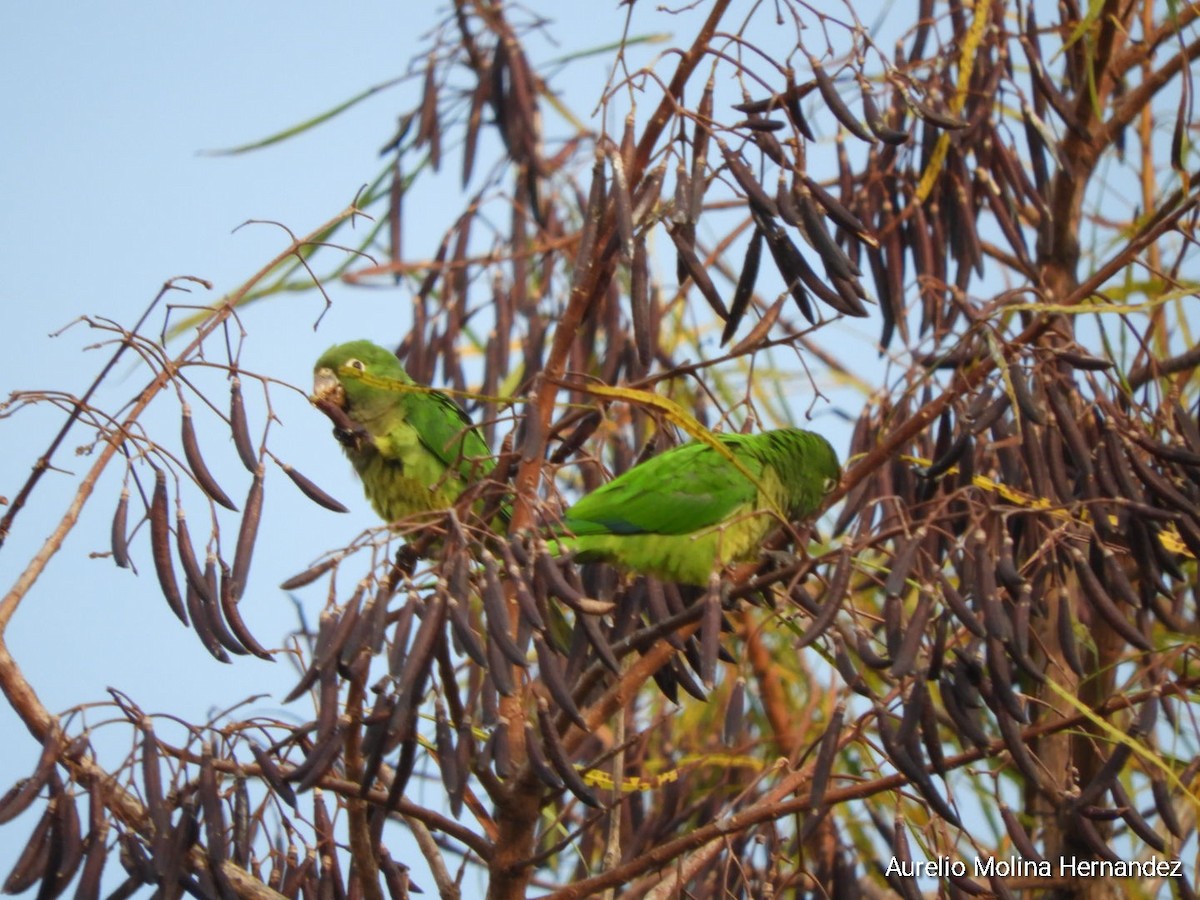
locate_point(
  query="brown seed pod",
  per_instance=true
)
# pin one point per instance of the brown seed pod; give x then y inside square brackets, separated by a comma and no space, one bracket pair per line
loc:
[233,618]
[836,262]
[160,546]
[202,624]
[710,638]
[191,450]
[119,533]
[744,291]
[622,203]
[537,761]
[495,609]
[639,303]
[464,633]
[272,775]
[501,754]
[66,845]
[152,788]
[756,195]
[552,676]
[247,533]
[878,125]
[187,556]
[500,669]
[214,810]
[557,755]
[1018,834]
[791,104]
[837,106]
[240,427]
[735,713]
[453,779]
[789,263]
[964,716]
[19,797]
[33,861]
[216,621]
[1103,603]
[823,765]
[1134,819]
[312,491]
[695,270]
[309,575]
[526,602]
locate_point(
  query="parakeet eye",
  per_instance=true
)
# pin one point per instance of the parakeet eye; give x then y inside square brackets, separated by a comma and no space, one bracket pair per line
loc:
[829,484]
[356,364]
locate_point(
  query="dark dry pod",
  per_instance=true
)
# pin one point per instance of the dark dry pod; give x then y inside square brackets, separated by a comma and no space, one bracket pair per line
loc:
[695,270]
[789,262]
[233,618]
[247,534]
[272,775]
[195,461]
[735,712]
[639,303]
[710,638]
[464,633]
[537,760]
[876,122]
[241,823]
[187,556]
[160,546]
[837,106]
[119,534]
[240,427]
[499,669]
[19,797]
[312,491]
[216,620]
[1018,834]
[744,290]
[1165,806]
[1102,602]
[758,198]
[202,623]
[823,766]
[216,834]
[309,575]
[453,778]
[552,676]
[495,609]
[501,753]
[1135,820]
[33,861]
[526,602]
[841,216]
[837,263]
[622,202]
[557,755]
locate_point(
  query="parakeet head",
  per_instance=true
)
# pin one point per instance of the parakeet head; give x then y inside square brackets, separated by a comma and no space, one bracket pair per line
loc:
[335,376]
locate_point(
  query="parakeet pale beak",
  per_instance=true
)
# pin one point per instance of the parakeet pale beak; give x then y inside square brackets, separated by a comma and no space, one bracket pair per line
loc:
[327,387]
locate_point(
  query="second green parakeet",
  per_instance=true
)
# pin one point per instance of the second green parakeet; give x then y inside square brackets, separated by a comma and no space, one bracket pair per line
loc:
[690,511]
[415,451]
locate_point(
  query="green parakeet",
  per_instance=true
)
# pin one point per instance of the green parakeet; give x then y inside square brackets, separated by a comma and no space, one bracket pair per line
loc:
[690,511]
[415,451]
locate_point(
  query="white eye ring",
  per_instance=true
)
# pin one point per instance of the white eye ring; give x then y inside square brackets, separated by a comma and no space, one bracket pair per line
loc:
[829,485]
[356,364]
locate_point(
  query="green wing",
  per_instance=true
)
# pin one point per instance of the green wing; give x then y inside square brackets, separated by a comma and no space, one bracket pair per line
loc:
[446,431]
[681,491]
